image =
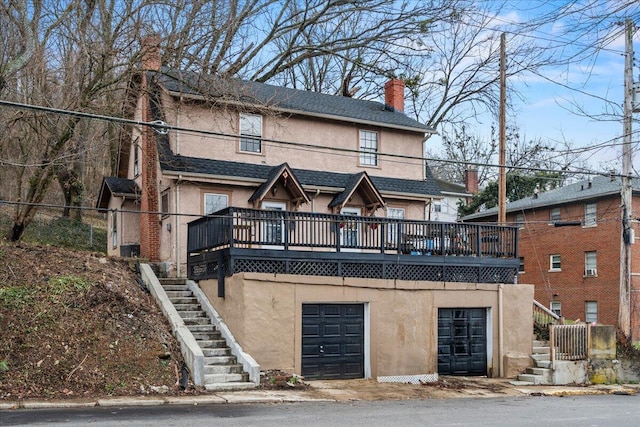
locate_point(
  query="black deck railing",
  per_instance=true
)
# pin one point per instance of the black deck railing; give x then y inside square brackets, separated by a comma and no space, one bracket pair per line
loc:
[241,227]
[285,236]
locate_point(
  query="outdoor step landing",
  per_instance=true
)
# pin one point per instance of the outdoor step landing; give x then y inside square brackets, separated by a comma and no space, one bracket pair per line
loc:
[222,378]
[541,350]
[521,383]
[540,343]
[229,386]
[536,379]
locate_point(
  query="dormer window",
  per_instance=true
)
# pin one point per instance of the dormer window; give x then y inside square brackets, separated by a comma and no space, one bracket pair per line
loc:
[251,133]
[368,148]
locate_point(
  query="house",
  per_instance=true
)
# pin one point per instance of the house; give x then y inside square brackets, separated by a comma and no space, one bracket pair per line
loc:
[446,209]
[569,248]
[303,217]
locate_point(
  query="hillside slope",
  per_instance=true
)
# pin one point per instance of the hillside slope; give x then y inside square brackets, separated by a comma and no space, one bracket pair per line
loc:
[76,324]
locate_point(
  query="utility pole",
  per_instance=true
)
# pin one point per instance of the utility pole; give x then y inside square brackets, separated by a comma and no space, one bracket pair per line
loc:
[626,238]
[502,177]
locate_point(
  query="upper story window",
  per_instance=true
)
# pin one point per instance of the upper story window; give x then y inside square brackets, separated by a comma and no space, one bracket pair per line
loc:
[368,148]
[251,133]
[437,207]
[521,266]
[554,214]
[591,263]
[164,204]
[392,230]
[214,202]
[590,218]
[520,220]
[554,263]
[136,160]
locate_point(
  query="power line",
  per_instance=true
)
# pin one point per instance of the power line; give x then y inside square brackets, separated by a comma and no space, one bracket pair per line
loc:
[162,127]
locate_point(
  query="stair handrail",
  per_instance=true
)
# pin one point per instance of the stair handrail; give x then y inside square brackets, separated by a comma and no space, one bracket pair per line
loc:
[546,310]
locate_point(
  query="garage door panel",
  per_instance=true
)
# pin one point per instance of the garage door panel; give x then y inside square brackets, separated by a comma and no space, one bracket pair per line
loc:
[462,341]
[336,350]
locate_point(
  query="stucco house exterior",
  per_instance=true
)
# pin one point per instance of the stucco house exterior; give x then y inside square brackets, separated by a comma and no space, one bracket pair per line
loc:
[569,248]
[304,219]
[446,209]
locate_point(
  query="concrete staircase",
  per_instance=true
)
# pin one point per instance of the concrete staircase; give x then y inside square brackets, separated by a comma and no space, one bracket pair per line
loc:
[541,372]
[221,370]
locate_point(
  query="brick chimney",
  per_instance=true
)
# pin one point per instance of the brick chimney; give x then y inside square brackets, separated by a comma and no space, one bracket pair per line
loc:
[471,180]
[151,59]
[394,95]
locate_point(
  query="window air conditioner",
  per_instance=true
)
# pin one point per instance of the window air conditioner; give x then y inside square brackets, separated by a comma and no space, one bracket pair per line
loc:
[591,272]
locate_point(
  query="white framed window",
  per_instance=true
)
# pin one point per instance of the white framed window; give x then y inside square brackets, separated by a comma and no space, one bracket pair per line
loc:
[437,207]
[214,202]
[591,263]
[554,214]
[590,218]
[392,231]
[554,263]
[521,266]
[591,311]
[251,133]
[556,307]
[519,220]
[368,148]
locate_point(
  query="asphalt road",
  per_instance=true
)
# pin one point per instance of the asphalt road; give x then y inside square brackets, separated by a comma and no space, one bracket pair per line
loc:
[600,410]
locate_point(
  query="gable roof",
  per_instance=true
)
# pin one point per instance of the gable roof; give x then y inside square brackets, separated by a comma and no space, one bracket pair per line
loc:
[597,187]
[362,181]
[118,187]
[450,187]
[290,180]
[287,100]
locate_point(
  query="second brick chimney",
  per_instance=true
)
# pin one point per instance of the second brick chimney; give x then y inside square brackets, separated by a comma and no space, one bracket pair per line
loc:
[394,95]
[151,59]
[471,180]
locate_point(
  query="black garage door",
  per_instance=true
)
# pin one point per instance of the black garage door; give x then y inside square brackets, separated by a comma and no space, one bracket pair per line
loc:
[462,341]
[332,341]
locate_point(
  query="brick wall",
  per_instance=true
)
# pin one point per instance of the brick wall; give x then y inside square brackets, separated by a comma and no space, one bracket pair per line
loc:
[539,240]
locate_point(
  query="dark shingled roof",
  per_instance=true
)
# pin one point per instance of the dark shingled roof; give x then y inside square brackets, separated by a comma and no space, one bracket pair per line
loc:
[450,187]
[286,99]
[224,168]
[116,186]
[599,186]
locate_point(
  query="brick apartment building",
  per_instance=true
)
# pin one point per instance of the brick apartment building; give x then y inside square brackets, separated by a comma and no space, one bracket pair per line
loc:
[569,248]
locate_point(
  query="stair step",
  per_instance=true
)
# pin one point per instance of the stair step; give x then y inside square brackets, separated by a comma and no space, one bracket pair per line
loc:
[538,371]
[183,300]
[212,344]
[229,386]
[541,350]
[200,321]
[536,379]
[543,364]
[220,360]
[175,288]
[222,378]
[222,369]
[210,328]
[216,352]
[172,281]
[521,383]
[541,356]
[187,307]
[208,336]
[540,343]
[179,294]
[193,314]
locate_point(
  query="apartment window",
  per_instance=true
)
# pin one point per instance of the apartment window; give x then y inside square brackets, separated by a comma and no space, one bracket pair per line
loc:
[556,307]
[164,204]
[392,233]
[214,202]
[521,266]
[368,148]
[590,218]
[251,133]
[591,311]
[554,214]
[136,160]
[590,263]
[437,207]
[520,220]
[114,228]
[554,263]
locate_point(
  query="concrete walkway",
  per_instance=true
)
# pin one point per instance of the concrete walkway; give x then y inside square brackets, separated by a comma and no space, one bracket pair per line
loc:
[338,390]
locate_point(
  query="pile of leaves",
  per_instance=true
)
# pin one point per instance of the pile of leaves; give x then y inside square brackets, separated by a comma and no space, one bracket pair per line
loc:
[77,324]
[276,379]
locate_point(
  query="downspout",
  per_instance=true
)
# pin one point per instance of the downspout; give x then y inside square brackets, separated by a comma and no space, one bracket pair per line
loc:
[313,200]
[177,227]
[500,330]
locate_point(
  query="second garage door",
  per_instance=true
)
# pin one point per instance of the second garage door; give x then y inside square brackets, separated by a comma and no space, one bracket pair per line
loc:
[462,341]
[332,341]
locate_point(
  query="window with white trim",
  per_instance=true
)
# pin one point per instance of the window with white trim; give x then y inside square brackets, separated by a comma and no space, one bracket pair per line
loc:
[368,148]
[392,231]
[521,266]
[556,307]
[554,263]
[591,263]
[251,133]
[554,214]
[591,311]
[519,220]
[214,202]
[590,218]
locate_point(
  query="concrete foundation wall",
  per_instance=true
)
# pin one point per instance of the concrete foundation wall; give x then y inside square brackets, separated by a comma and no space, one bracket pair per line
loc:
[264,312]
